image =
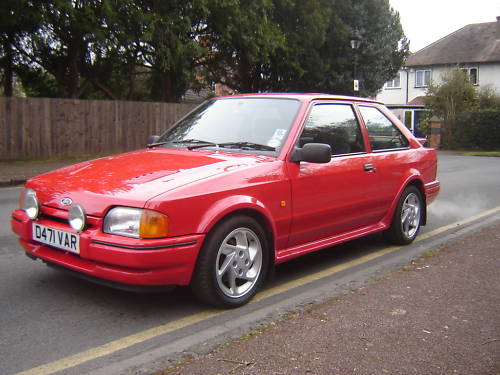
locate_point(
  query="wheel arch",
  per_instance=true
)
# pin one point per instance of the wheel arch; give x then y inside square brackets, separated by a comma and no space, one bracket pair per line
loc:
[266,226]
[418,183]
[204,282]
[245,206]
[412,180]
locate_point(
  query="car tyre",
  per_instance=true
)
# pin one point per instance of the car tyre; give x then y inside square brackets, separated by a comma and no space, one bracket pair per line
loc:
[232,263]
[407,218]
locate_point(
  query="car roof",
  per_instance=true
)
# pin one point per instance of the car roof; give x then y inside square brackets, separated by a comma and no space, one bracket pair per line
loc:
[307,97]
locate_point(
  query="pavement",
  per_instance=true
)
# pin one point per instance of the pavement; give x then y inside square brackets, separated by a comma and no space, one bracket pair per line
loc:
[17,172]
[440,315]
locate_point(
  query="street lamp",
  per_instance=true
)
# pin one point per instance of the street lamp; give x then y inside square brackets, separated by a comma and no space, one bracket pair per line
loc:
[355,42]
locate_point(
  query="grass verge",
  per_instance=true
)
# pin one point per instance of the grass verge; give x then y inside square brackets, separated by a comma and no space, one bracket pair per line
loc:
[482,153]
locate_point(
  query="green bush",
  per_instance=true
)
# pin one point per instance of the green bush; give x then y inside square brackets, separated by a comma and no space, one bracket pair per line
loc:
[479,130]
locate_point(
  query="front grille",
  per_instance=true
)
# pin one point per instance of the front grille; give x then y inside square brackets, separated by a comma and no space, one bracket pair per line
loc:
[61,216]
[54,218]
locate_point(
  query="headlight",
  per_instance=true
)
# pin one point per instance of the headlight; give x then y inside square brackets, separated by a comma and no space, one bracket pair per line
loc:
[30,203]
[76,217]
[136,223]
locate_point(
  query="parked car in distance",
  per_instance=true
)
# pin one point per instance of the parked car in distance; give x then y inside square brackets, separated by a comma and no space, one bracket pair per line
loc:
[238,185]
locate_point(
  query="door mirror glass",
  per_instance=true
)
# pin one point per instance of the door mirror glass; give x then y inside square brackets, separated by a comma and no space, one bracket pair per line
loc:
[153,139]
[313,153]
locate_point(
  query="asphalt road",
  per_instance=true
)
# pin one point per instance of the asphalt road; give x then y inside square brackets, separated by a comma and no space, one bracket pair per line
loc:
[64,324]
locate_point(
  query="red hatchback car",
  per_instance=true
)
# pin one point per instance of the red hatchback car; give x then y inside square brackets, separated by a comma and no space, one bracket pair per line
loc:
[238,185]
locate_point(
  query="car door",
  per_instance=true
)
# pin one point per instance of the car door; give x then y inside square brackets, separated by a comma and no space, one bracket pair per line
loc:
[340,196]
[391,154]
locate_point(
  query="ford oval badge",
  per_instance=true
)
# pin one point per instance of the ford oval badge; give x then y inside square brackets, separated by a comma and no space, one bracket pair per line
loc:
[66,201]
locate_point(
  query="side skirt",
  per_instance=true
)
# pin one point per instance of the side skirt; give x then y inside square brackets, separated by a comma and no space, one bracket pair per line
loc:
[287,254]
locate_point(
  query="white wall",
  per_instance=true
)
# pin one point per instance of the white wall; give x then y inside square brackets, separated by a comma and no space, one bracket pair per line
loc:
[394,95]
[488,73]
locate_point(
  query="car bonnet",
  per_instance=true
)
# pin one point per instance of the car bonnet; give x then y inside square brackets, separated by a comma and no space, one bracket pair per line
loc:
[132,178]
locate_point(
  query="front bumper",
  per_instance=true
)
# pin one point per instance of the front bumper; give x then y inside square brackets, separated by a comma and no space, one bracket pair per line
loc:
[157,262]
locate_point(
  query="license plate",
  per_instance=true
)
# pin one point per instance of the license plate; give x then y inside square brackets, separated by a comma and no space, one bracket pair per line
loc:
[57,238]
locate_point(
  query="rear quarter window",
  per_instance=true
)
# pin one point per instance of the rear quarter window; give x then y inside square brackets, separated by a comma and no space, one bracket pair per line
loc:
[382,133]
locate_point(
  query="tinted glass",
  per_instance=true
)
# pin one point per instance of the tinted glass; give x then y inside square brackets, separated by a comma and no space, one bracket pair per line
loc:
[336,125]
[262,121]
[383,134]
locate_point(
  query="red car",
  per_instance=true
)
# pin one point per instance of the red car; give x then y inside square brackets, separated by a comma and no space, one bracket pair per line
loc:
[238,185]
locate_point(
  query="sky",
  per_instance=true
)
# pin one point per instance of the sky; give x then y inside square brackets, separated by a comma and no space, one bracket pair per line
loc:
[426,21]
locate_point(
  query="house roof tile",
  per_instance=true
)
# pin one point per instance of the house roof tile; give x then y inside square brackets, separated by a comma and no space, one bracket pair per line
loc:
[475,43]
[419,100]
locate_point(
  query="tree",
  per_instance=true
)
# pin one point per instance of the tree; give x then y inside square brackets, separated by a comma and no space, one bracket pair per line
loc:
[298,64]
[156,49]
[292,45]
[241,37]
[17,19]
[118,68]
[83,49]
[61,46]
[171,45]
[488,98]
[383,47]
[454,96]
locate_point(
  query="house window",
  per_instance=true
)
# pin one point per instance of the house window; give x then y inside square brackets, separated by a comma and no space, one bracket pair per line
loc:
[472,75]
[394,83]
[422,78]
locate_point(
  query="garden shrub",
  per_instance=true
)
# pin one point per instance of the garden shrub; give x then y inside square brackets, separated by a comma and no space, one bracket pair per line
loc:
[478,130]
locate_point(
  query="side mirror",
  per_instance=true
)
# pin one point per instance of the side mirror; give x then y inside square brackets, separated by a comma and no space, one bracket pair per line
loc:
[153,139]
[422,141]
[313,153]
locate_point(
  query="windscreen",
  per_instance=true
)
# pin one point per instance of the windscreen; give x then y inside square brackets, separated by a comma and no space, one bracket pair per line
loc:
[236,123]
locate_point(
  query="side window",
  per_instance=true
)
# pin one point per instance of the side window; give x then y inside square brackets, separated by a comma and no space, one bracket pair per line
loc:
[336,125]
[382,133]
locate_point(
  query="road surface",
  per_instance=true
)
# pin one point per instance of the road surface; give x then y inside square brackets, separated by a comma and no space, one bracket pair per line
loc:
[52,322]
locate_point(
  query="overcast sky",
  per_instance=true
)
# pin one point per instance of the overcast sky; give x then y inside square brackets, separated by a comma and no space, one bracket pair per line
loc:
[426,21]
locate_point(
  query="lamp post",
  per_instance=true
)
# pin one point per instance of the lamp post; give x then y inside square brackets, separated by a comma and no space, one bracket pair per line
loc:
[355,42]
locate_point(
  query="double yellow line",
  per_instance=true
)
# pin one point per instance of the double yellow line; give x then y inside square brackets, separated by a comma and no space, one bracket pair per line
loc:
[136,338]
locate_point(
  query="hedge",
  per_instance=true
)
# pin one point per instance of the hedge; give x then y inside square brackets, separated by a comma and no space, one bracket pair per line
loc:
[478,130]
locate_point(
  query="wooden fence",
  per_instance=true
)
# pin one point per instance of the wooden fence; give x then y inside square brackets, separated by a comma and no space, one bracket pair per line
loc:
[39,127]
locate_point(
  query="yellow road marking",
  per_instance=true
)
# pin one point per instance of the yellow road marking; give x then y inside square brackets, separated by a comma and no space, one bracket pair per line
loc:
[456,224]
[335,269]
[122,343]
[128,341]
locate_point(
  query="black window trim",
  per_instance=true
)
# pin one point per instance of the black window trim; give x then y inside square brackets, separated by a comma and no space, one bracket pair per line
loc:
[390,149]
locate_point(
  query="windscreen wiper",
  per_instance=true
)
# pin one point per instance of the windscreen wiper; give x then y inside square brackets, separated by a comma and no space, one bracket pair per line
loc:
[157,144]
[195,143]
[247,146]
[199,144]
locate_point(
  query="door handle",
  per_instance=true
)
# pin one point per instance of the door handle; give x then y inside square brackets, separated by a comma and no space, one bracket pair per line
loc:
[369,168]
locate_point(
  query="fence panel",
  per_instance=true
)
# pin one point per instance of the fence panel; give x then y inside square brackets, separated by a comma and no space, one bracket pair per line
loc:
[40,127]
